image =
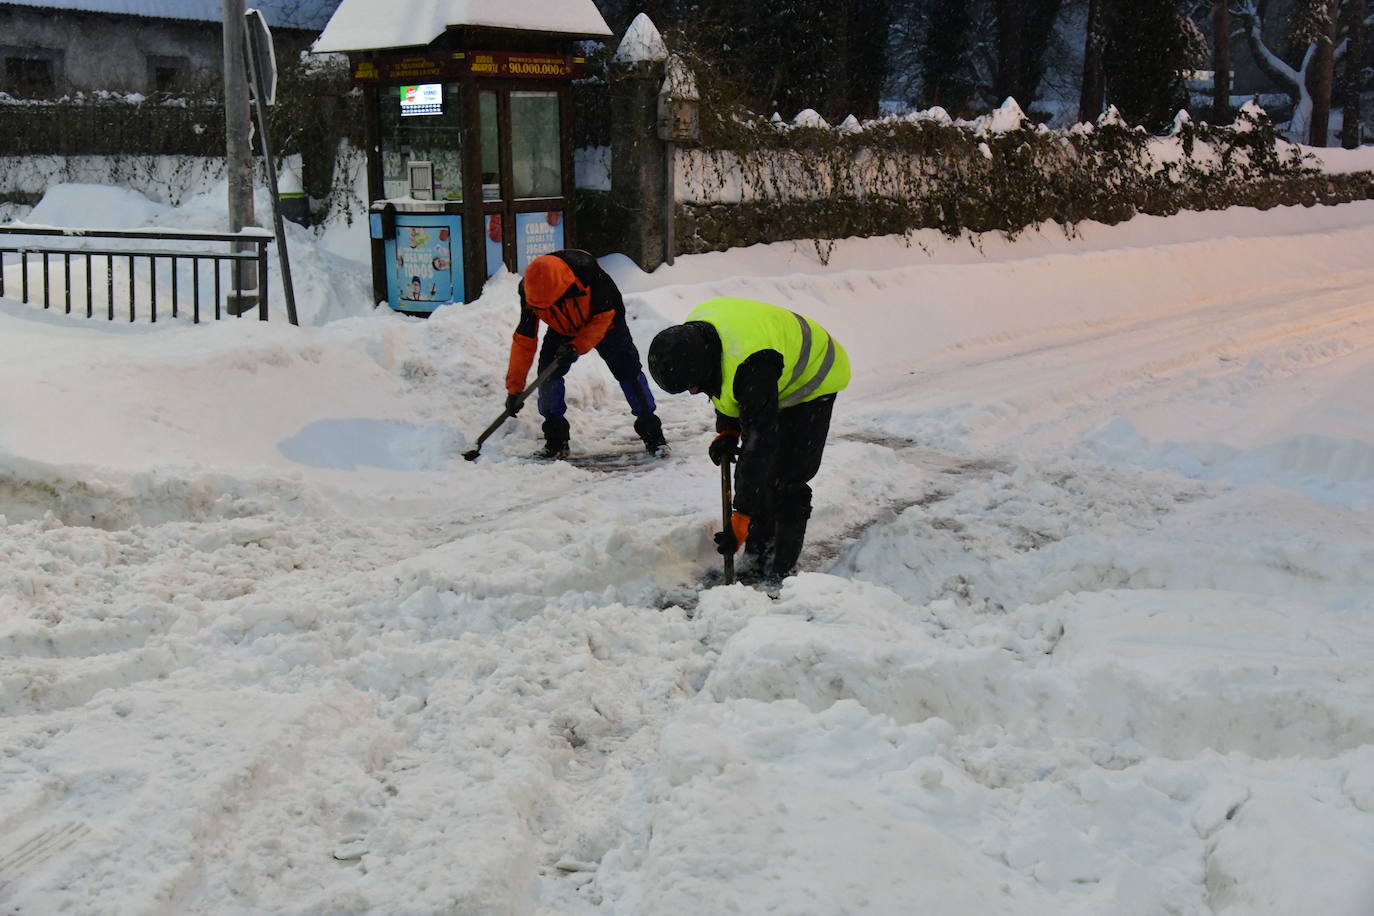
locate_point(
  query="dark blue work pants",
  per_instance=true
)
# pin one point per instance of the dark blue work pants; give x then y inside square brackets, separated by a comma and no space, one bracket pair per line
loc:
[617,350]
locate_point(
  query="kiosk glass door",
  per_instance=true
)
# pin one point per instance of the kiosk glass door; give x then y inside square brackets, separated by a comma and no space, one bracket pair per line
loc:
[535,149]
[523,180]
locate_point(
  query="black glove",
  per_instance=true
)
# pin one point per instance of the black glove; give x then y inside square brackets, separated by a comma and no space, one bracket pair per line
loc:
[727,542]
[513,403]
[566,354]
[724,447]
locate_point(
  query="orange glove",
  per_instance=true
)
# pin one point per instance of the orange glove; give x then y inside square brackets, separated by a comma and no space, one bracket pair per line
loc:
[727,542]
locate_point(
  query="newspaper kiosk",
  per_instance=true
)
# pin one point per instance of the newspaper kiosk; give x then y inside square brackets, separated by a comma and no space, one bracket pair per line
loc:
[469,153]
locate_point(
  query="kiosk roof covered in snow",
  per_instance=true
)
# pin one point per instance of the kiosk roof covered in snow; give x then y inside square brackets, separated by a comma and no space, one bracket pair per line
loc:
[365,24]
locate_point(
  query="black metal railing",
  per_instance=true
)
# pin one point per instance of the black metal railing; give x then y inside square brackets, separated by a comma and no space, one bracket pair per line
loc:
[223,277]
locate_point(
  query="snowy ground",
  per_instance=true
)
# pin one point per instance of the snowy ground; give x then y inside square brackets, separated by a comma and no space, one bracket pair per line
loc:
[1087,625]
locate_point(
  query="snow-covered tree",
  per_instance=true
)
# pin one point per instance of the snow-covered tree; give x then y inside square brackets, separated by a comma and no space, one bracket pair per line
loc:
[1307,75]
[972,54]
[789,55]
[1023,33]
[1148,46]
[1221,61]
[1353,81]
[1094,90]
[947,65]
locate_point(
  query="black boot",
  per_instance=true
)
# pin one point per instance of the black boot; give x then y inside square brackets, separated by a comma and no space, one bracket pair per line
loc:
[650,429]
[789,535]
[556,432]
[758,550]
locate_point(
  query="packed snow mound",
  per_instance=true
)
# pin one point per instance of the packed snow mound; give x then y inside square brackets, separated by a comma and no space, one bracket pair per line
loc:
[1084,625]
[94,206]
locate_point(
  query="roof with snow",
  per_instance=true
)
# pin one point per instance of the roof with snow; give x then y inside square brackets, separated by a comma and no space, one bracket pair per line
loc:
[284,14]
[360,25]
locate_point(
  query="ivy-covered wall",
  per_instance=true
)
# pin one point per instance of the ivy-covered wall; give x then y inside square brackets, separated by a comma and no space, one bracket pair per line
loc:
[749,181]
[317,117]
[753,182]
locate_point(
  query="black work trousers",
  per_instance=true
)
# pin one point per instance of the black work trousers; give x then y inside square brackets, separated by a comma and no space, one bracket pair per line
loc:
[775,539]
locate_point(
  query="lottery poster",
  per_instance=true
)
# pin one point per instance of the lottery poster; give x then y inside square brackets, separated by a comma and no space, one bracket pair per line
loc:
[495,258]
[536,234]
[424,261]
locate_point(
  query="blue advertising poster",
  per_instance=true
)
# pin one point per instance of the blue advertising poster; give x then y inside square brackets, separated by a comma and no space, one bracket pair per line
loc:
[424,268]
[492,233]
[536,234]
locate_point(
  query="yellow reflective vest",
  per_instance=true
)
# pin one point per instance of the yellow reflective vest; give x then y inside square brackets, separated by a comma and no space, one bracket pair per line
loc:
[814,363]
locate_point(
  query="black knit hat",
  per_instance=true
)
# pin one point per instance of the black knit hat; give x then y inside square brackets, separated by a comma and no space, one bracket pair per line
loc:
[686,356]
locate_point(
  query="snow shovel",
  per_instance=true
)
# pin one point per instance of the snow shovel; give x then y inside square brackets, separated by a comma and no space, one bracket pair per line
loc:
[472,453]
[725,512]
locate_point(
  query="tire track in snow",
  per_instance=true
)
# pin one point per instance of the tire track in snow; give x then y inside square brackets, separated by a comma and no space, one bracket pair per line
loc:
[1084,377]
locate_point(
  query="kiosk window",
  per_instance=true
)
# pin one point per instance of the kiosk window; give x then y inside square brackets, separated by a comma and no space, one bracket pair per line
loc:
[536,144]
[491,145]
[422,124]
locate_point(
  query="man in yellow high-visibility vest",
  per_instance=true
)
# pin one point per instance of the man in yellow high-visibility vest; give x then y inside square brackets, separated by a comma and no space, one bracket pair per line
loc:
[772,376]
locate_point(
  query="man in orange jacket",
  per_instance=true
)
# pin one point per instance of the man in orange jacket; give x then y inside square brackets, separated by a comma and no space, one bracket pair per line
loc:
[583,308]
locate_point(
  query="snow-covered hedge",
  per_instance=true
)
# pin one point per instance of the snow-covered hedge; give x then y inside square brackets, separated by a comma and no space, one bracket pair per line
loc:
[170,180]
[761,181]
[165,179]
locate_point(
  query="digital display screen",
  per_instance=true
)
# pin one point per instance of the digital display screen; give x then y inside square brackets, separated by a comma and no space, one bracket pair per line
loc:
[424,99]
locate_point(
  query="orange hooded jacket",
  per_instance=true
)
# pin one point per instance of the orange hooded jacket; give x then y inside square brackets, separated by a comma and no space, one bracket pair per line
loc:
[568,291]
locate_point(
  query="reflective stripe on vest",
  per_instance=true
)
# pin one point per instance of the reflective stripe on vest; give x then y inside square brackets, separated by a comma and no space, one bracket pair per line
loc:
[823,370]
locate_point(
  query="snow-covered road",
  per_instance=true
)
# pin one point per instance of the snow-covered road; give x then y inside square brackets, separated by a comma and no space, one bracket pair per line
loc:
[1087,625]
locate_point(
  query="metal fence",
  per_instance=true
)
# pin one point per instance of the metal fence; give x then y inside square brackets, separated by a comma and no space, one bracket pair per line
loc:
[107,281]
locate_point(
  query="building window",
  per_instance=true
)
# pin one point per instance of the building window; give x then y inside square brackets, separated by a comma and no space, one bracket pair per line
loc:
[169,74]
[31,72]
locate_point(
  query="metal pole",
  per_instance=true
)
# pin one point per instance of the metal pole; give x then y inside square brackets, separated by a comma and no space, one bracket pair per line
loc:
[262,282]
[238,150]
[265,141]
